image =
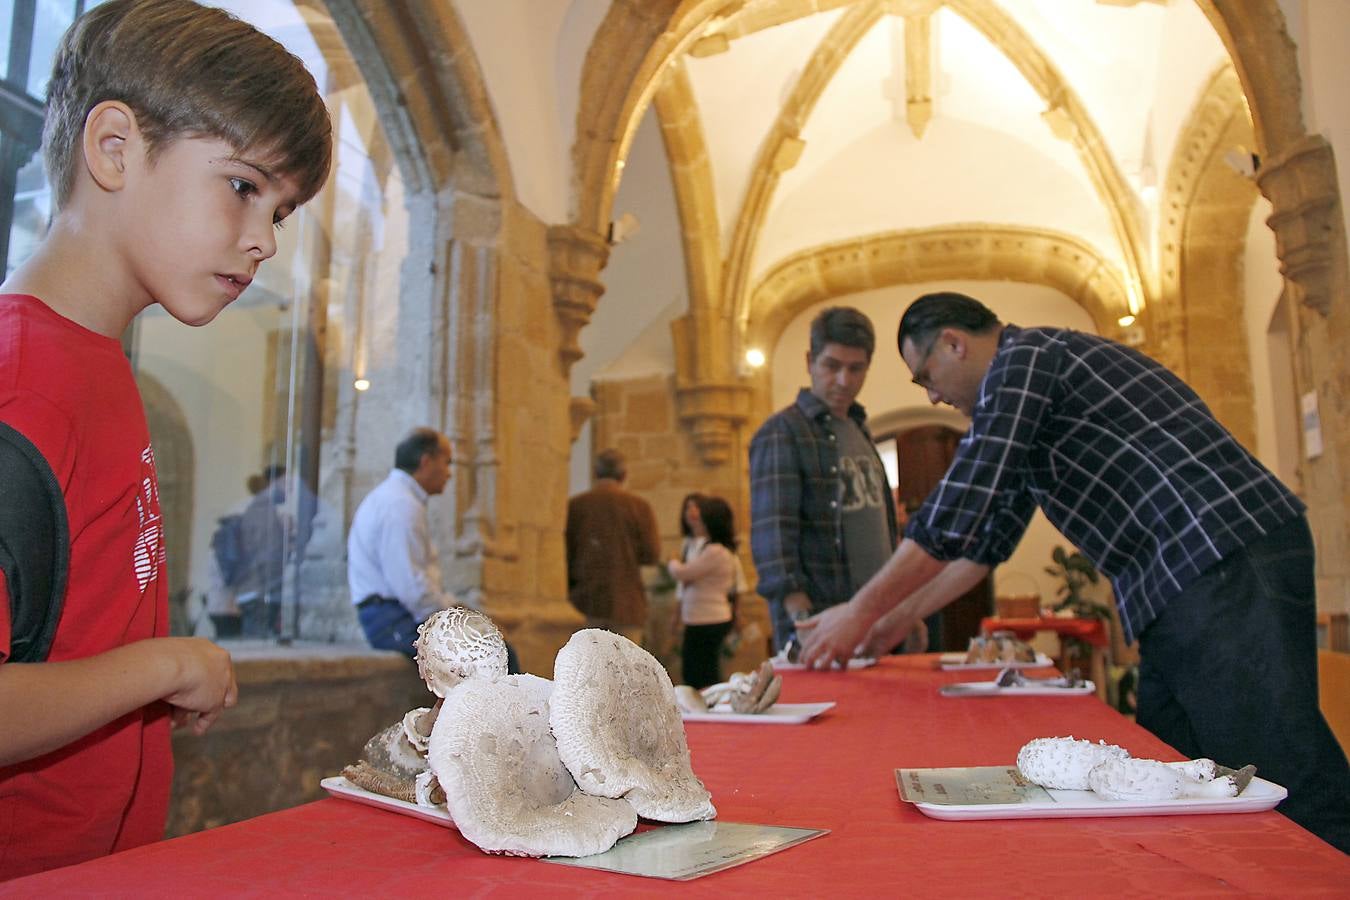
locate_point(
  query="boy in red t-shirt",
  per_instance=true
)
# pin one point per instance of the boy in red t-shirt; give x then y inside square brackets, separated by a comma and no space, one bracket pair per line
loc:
[177,138]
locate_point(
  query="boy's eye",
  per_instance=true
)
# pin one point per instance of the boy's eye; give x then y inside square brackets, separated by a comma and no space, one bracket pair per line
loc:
[243,187]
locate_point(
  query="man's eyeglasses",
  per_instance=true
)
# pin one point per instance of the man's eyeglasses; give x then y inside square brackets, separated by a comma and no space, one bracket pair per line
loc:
[921,371]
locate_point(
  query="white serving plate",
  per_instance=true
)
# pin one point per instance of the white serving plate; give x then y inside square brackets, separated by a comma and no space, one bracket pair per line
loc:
[1259,796]
[344,790]
[956,662]
[1032,688]
[778,714]
[857,662]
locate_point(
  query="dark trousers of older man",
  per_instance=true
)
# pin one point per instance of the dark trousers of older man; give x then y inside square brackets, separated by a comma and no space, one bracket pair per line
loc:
[1228,671]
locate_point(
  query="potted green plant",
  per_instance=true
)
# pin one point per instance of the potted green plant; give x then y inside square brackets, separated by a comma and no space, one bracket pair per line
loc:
[1076,572]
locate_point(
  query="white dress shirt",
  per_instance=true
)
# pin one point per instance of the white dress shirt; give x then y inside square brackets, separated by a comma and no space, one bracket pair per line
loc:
[389,548]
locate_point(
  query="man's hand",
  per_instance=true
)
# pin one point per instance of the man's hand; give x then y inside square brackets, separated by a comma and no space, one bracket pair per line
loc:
[833,637]
[204,684]
[888,631]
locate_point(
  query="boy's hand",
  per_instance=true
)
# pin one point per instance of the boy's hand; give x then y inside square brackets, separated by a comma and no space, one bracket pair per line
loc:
[205,684]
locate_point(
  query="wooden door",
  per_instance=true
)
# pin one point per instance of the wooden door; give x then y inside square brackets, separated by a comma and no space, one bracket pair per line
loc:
[923,455]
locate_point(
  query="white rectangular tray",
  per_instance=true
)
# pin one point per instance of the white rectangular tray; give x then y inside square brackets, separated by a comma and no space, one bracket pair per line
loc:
[1260,795]
[1031,688]
[857,662]
[778,714]
[344,790]
[956,662]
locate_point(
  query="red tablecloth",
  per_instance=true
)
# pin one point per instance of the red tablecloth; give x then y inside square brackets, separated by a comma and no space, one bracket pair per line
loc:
[1091,630]
[835,772]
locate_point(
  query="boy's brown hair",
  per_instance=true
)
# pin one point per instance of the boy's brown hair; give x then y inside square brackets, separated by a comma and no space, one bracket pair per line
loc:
[186,70]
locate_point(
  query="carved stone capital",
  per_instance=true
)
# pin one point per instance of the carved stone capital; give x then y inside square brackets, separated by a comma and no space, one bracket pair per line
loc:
[576,256]
[713,412]
[1301,186]
[579,411]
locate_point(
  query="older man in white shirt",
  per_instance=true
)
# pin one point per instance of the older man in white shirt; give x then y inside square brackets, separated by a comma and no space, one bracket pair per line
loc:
[392,570]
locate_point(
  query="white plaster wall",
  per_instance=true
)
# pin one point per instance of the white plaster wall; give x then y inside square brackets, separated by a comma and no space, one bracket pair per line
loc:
[645,286]
[889,391]
[517,46]
[1273,394]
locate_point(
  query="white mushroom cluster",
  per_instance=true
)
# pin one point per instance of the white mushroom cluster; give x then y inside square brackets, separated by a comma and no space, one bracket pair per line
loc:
[531,767]
[1110,771]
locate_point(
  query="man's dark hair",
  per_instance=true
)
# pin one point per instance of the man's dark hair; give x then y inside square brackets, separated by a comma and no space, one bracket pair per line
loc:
[718,519]
[945,309]
[610,463]
[419,442]
[842,325]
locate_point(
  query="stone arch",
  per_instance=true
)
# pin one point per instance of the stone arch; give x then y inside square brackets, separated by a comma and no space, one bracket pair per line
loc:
[1196,328]
[432,102]
[970,252]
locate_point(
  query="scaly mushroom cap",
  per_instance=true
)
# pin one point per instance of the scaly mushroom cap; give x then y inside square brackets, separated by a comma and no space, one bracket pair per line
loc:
[505,786]
[390,751]
[619,731]
[1064,763]
[1136,779]
[459,643]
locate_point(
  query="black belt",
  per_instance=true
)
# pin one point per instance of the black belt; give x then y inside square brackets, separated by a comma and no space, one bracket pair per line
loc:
[375,598]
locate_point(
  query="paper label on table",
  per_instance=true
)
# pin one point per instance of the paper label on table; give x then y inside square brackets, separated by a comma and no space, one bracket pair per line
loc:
[691,850]
[968,786]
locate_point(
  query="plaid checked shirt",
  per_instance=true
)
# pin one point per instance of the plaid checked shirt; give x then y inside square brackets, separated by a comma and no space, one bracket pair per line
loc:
[796,534]
[1125,459]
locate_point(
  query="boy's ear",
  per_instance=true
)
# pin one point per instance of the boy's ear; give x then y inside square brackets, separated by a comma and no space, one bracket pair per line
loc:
[110,137]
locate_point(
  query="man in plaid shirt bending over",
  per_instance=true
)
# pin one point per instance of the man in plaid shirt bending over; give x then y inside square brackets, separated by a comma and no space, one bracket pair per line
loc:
[1209,554]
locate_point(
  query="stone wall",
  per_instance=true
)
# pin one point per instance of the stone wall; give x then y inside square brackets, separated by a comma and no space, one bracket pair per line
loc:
[638,416]
[304,713]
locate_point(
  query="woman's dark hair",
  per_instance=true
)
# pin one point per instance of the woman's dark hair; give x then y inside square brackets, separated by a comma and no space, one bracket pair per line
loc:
[684,504]
[717,518]
[946,309]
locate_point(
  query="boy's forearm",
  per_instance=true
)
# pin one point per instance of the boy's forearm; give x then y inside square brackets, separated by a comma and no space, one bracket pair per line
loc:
[46,706]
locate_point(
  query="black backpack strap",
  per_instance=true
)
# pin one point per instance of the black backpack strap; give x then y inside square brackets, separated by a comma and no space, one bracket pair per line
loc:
[34,546]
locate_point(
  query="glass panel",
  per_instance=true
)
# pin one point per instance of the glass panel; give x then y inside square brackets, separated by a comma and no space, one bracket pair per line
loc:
[32,206]
[51,19]
[238,408]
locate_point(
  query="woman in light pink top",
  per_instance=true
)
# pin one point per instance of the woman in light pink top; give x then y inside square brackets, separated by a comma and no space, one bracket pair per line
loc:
[706,578]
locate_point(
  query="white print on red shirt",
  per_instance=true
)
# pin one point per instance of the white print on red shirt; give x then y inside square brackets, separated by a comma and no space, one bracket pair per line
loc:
[149,552]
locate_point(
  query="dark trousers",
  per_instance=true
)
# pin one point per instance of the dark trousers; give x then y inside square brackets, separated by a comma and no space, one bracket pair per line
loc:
[701,654]
[389,626]
[259,618]
[1229,671]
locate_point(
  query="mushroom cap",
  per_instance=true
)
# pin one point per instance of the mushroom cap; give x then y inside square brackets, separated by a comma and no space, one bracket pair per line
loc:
[1136,779]
[505,786]
[391,752]
[454,644]
[619,731]
[1064,763]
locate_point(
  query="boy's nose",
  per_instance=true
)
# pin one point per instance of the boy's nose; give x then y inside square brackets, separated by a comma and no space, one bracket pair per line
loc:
[261,240]
[933,396]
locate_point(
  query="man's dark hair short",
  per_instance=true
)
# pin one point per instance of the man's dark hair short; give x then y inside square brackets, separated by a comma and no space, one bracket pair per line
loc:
[610,463]
[945,309]
[718,519]
[842,325]
[419,442]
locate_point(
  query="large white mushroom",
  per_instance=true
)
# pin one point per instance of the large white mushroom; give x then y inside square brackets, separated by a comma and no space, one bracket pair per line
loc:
[1064,763]
[459,643]
[505,786]
[619,731]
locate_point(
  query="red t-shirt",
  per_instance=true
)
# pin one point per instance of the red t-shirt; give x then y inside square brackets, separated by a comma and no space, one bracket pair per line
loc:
[70,391]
